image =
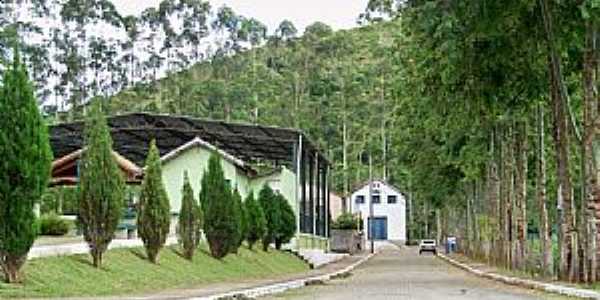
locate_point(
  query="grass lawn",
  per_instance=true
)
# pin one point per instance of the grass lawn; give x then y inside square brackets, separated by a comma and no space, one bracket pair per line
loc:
[126,271]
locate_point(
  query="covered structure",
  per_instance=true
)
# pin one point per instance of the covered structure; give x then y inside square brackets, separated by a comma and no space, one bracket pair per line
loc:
[251,146]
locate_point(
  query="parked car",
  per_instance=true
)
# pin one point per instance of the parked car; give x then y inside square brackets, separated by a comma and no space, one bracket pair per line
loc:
[428,246]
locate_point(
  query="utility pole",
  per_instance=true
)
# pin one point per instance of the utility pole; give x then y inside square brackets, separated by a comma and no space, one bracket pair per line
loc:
[370,219]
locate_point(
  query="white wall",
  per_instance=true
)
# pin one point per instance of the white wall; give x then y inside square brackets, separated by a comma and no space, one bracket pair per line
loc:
[395,213]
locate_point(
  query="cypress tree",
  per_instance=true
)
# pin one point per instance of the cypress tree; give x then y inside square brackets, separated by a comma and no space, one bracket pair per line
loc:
[190,220]
[101,186]
[154,212]
[287,224]
[240,217]
[220,225]
[255,220]
[25,168]
[267,201]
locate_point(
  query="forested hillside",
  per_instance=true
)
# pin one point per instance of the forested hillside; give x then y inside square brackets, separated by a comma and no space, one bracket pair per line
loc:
[335,86]
[186,57]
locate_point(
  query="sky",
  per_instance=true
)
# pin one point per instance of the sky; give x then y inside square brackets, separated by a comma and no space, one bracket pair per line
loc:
[339,14]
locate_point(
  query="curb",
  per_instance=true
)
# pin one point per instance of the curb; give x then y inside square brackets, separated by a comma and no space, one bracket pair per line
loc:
[283,286]
[526,283]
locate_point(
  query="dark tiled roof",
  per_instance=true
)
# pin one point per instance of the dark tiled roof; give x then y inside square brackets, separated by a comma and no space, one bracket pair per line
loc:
[132,134]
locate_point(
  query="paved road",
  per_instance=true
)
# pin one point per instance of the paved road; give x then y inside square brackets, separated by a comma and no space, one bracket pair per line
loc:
[403,274]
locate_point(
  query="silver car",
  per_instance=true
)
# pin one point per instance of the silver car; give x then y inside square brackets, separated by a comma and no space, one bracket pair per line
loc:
[428,246]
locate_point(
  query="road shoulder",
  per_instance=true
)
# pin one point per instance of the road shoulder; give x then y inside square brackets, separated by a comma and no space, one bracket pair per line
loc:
[484,272]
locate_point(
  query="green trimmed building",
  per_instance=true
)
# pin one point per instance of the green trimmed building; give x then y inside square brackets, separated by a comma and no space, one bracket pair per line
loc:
[251,155]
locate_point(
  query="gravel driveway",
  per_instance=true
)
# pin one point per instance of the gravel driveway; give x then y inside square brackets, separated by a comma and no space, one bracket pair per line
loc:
[403,274]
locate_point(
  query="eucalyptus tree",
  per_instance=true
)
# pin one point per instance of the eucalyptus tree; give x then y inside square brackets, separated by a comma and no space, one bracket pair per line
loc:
[286,30]
[152,29]
[226,25]
[195,26]
[79,16]
[132,28]
[253,32]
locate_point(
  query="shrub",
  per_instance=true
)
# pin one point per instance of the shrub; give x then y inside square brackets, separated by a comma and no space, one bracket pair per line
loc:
[154,212]
[255,219]
[220,225]
[53,225]
[347,221]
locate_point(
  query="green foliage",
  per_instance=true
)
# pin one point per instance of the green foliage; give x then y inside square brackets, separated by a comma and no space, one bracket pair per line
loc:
[220,225]
[271,209]
[280,217]
[347,221]
[287,224]
[25,169]
[101,186]
[52,224]
[60,200]
[154,212]
[240,216]
[190,220]
[255,218]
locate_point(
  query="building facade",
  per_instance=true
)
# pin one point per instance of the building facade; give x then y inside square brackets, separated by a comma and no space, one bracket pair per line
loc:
[251,157]
[388,221]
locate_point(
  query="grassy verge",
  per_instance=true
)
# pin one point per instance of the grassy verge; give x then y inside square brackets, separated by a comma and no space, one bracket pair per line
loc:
[127,272]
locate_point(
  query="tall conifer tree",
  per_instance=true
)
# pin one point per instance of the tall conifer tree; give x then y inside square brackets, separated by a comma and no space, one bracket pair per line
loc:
[25,169]
[101,186]
[154,212]
[190,220]
[287,223]
[255,220]
[240,218]
[268,202]
[220,225]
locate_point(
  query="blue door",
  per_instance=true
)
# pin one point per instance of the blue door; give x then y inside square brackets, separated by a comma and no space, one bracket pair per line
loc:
[379,227]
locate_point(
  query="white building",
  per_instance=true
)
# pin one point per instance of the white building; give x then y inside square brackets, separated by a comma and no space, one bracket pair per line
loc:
[389,210]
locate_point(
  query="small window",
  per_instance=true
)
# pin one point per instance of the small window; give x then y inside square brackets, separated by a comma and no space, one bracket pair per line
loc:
[360,199]
[376,199]
[392,199]
[228,182]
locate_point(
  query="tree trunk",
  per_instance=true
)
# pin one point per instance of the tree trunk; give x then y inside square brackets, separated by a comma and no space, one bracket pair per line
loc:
[561,141]
[493,191]
[506,197]
[426,219]
[544,230]
[346,203]
[510,199]
[278,244]
[590,170]
[383,135]
[438,226]
[11,266]
[152,255]
[97,258]
[568,251]
[468,241]
[521,195]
